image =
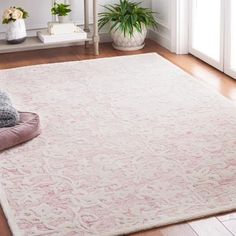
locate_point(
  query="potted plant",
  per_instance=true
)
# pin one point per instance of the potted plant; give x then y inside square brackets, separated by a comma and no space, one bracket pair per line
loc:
[16,30]
[62,11]
[128,23]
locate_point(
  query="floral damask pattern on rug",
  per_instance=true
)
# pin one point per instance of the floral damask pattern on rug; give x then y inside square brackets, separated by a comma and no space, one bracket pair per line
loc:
[127,143]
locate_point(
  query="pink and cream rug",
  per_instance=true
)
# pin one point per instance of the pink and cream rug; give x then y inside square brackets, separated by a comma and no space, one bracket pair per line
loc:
[127,144]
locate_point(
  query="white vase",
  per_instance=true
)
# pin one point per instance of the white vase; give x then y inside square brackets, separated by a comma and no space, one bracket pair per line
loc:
[129,43]
[64,19]
[16,32]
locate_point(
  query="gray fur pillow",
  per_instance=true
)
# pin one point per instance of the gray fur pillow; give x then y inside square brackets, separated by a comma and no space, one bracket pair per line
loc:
[8,114]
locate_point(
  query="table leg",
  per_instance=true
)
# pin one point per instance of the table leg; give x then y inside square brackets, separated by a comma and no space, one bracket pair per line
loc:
[53,16]
[95,28]
[86,20]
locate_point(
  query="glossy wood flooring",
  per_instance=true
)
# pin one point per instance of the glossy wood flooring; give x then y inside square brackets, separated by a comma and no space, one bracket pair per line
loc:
[224,225]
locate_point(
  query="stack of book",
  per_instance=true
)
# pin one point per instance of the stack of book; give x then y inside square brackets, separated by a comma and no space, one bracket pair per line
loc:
[61,32]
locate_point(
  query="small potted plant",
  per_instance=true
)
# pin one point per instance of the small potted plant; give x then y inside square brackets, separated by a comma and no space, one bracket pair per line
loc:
[128,23]
[62,11]
[16,30]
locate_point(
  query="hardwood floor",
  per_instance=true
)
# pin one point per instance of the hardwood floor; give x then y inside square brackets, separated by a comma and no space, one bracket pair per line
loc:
[223,225]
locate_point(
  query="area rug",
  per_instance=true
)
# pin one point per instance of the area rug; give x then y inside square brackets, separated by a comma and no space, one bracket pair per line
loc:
[128,143]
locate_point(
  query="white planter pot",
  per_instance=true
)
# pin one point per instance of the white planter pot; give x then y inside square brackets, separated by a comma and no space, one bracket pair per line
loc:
[128,43]
[16,32]
[64,19]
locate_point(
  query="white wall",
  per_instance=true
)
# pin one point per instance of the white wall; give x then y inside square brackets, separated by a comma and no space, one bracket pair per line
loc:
[39,10]
[163,34]
[173,29]
[171,20]
[172,32]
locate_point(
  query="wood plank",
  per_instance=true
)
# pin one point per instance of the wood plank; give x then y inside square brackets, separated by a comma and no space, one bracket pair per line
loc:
[229,221]
[178,230]
[4,228]
[156,232]
[174,230]
[210,227]
[226,217]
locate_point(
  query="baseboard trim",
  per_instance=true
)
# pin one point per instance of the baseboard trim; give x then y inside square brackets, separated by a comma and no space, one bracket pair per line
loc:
[160,39]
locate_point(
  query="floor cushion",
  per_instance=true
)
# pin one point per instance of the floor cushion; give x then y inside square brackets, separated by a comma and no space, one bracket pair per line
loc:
[9,116]
[27,129]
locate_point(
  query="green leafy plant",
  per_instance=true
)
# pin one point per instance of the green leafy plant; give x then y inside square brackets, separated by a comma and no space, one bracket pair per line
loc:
[127,16]
[61,9]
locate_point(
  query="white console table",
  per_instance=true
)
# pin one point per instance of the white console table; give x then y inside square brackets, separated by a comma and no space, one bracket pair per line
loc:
[33,43]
